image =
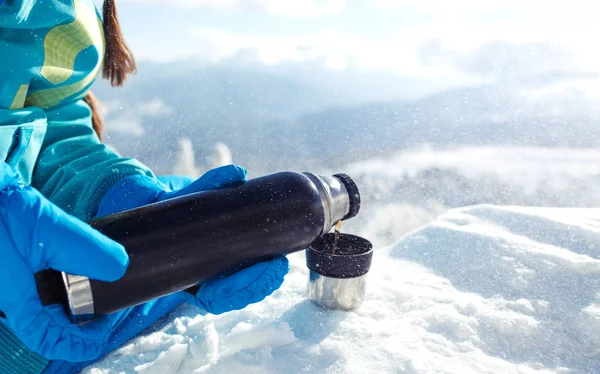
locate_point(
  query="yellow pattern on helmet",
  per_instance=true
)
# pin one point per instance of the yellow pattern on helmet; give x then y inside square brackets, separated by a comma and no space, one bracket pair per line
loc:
[62,45]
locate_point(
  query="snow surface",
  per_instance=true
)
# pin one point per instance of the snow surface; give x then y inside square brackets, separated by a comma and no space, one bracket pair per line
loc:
[414,187]
[480,289]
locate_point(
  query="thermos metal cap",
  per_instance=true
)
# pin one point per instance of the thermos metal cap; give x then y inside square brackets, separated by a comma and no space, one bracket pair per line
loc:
[353,194]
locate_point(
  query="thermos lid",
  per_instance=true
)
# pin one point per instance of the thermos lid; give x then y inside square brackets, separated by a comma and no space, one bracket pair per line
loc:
[350,259]
[353,194]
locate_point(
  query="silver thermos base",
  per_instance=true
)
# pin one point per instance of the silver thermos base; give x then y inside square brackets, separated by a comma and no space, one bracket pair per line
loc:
[337,293]
[338,271]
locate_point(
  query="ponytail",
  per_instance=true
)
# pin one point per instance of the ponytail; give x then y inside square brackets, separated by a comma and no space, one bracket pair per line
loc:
[118,61]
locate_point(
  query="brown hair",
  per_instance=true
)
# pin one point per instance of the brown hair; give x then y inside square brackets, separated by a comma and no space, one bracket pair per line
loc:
[118,60]
[95,105]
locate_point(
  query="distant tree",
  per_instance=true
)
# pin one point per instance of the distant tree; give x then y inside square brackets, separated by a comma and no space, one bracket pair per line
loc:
[221,155]
[186,159]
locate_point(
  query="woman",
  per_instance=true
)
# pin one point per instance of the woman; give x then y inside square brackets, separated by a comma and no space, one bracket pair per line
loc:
[56,173]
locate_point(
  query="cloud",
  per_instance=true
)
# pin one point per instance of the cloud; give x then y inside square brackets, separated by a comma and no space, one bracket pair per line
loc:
[456,43]
[448,54]
[456,6]
[127,124]
[465,25]
[287,8]
[329,48]
[460,27]
[130,120]
[502,59]
[499,8]
[504,39]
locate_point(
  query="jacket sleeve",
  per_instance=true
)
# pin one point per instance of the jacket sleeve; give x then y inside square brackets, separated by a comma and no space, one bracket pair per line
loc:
[74,169]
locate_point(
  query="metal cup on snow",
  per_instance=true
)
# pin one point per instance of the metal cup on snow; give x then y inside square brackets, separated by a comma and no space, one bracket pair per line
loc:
[338,273]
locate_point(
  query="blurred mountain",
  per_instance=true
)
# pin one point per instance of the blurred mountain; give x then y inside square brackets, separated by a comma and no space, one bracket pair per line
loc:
[271,121]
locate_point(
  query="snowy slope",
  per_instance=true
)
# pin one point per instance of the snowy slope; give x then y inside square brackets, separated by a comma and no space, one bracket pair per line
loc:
[481,289]
[410,188]
[484,289]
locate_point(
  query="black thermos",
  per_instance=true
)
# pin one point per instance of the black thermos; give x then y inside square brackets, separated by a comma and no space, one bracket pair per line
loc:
[175,244]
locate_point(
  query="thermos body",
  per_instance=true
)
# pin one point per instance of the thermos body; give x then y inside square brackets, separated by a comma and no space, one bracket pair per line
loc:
[176,244]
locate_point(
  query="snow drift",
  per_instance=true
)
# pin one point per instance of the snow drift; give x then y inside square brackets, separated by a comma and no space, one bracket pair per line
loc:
[483,289]
[411,188]
[487,288]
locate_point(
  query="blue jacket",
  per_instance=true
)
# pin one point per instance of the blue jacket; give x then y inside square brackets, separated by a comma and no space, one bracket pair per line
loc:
[50,54]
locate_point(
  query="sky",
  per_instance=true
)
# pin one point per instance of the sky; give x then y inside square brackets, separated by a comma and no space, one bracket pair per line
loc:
[458,41]
[372,33]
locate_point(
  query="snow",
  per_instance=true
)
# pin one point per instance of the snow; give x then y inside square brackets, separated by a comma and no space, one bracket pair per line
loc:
[415,186]
[478,289]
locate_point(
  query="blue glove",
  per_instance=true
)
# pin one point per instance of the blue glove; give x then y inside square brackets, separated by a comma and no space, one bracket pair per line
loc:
[36,235]
[218,295]
[138,190]
[175,182]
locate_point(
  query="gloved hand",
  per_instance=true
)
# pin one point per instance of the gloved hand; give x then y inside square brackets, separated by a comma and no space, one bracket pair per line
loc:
[36,235]
[217,295]
[175,182]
